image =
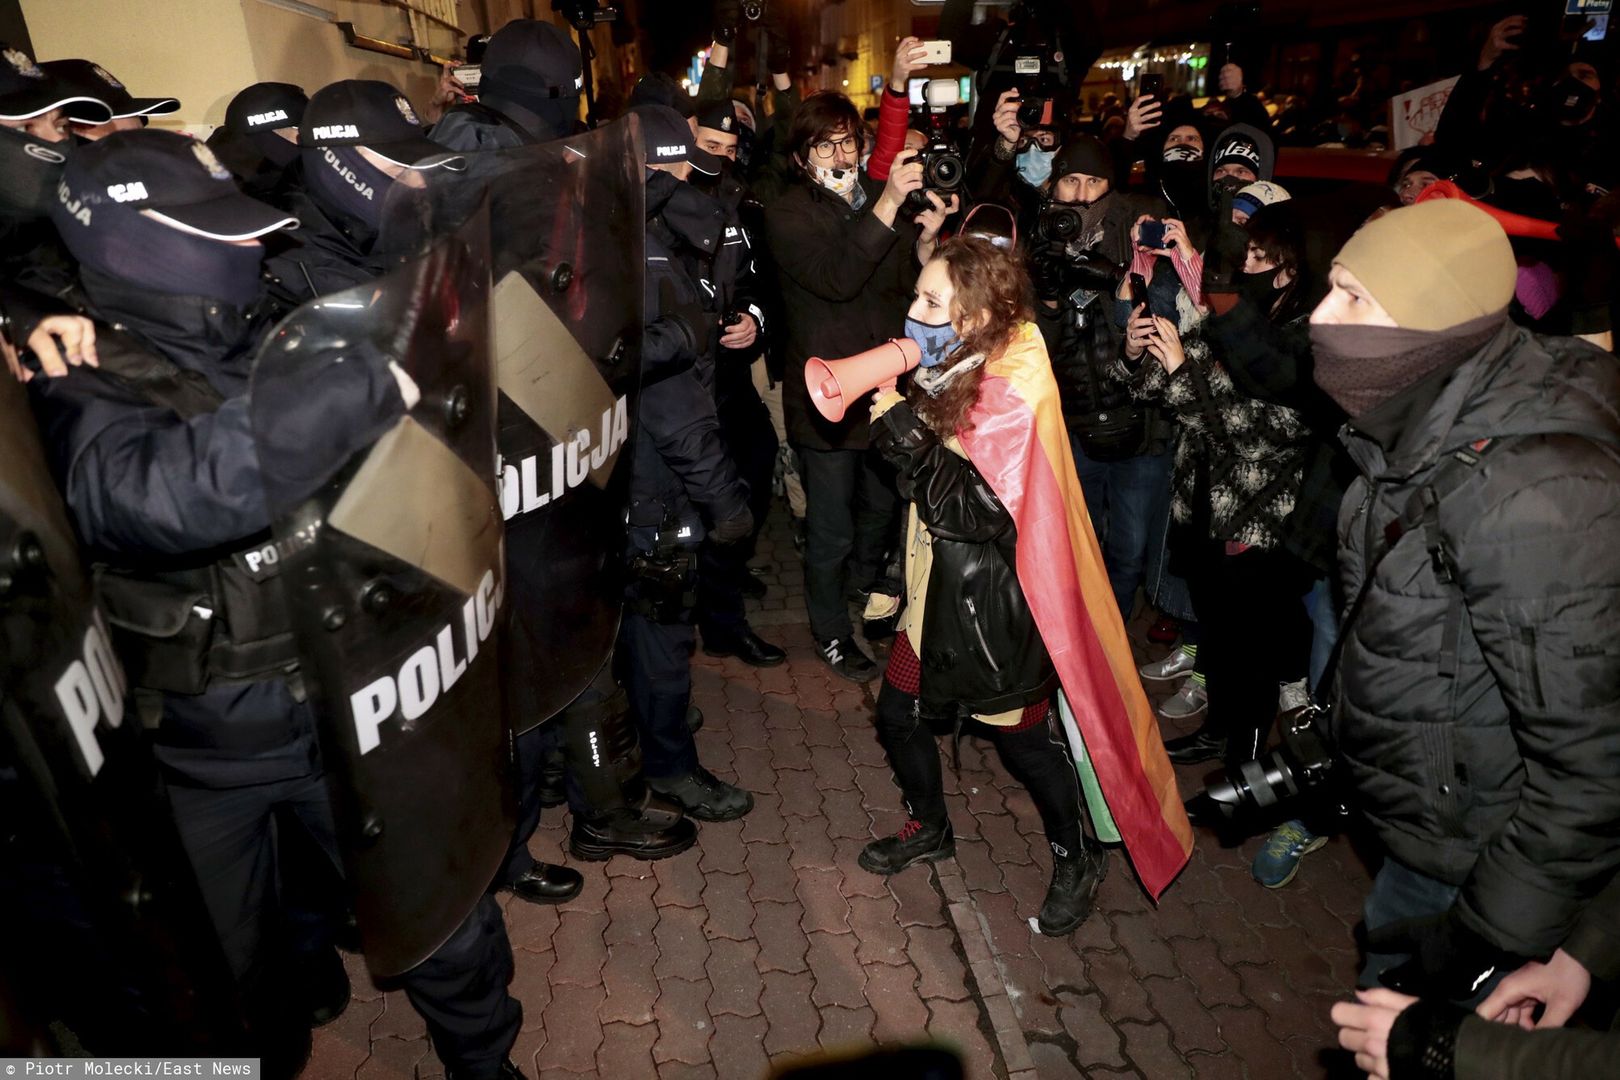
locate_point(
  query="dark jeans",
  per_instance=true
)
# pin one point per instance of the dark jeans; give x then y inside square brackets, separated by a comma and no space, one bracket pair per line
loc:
[849,521]
[1038,757]
[1124,499]
[1254,635]
[657,669]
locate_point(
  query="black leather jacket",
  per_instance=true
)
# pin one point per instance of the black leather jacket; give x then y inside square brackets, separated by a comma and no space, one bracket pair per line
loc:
[981,651]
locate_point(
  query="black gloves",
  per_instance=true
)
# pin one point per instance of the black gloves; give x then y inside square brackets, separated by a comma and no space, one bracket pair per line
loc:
[1228,250]
[1047,268]
[1448,959]
[727,14]
[1423,1041]
[738,527]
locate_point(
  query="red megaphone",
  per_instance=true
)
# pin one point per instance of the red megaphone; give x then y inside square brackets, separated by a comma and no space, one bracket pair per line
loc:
[835,384]
[1526,228]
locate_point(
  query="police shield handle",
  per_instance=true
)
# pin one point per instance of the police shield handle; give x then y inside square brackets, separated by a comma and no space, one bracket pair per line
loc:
[458,543]
[836,384]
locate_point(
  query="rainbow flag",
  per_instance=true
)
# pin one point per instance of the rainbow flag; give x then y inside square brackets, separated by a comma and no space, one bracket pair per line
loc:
[1020,446]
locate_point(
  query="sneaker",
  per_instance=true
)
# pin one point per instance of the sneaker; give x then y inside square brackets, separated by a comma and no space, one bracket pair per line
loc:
[1164,630]
[914,843]
[704,796]
[1190,701]
[1292,695]
[1076,876]
[1278,859]
[847,660]
[1176,664]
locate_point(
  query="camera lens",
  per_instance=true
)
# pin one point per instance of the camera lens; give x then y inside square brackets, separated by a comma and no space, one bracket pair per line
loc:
[945,171]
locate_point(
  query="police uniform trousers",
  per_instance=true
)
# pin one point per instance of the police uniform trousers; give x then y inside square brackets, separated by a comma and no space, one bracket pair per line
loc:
[242,761]
[656,668]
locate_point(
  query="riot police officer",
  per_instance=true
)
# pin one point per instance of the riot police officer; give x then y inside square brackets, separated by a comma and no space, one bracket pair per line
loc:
[528,91]
[684,484]
[158,468]
[258,141]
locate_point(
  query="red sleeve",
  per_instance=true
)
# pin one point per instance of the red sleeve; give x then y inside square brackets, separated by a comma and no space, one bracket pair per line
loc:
[893,118]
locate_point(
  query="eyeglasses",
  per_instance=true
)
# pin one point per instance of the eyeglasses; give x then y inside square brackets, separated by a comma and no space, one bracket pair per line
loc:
[827,147]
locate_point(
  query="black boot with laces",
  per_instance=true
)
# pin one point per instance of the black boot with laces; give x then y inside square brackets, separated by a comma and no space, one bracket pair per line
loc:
[1076,877]
[914,843]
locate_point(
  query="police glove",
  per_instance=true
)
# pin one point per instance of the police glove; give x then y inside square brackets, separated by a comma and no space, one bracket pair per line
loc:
[1095,271]
[1046,273]
[739,526]
[727,14]
[1448,960]
[1228,250]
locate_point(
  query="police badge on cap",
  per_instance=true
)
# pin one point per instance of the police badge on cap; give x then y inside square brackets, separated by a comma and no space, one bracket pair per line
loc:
[23,64]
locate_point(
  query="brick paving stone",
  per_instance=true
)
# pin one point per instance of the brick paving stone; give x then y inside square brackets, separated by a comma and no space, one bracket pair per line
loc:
[722,849]
[531,926]
[342,1045]
[956,1023]
[1149,953]
[1311,968]
[1235,940]
[1053,1062]
[824,905]
[978,865]
[684,1025]
[573,1031]
[846,1030]
[1022,809]
[864,748]
[789,752]
[1096,1040]
[393,1059]
[1288,1012]
[918,903]
[749,734]
[879,936]
[1214,981]
[633,912]
[1111,974]
[629,980]
[1000,831]
[1191,1026]
[764,824]
[832,768]
[782,711]
[680,880]
[1148,1047]
[839,977]
[1027,884]
[531,985]
[1060,957]
[734,974]
[398,1019]
[683,948]
[941,972]
[846,815]
[892,993]
[730,910]
[793,1026]
[808,843]
[626,1050]
[756,769]
[856,881]
[782,943]
[1227,1066]
[1009,932]
[1263,1055]
[737,1047]
[581,951]
[770,874]
[1036,1005]
[800,794]
[740,697]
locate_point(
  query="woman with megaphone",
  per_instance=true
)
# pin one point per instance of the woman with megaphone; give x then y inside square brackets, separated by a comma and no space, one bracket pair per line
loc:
[1010,630]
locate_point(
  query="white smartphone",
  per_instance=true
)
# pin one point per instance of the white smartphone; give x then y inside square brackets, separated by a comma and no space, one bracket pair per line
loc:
[938,52]
[469,75]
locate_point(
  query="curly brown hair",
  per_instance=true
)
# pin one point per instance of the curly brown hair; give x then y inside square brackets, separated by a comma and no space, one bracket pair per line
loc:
[991,299]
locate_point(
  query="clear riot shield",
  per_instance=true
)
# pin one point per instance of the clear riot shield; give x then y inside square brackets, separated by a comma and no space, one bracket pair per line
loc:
[567,227]
[107,929]
[393,570]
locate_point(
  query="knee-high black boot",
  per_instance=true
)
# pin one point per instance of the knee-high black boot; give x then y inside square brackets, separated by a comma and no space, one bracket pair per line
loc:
[914,757]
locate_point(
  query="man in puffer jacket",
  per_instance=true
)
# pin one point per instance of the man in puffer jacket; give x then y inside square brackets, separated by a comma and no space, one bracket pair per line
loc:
[1478,705]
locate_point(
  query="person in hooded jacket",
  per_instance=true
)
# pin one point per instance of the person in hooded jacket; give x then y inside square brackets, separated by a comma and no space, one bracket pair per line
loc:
[528,93]
[258,141]
[1476,709]
[156,459]
[358,138]
[684,486]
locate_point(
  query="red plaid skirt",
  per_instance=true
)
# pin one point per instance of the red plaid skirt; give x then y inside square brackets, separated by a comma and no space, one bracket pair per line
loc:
[904,673]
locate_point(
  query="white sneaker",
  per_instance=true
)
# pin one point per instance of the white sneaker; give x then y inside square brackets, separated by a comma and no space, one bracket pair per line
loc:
[1176,664]
[1190,701]
[1292,695]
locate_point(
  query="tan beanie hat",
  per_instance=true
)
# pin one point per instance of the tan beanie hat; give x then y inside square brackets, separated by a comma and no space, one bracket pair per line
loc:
[1434,264]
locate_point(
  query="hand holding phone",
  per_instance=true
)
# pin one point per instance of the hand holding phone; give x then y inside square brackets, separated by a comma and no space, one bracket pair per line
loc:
[1151,235]
[936,52]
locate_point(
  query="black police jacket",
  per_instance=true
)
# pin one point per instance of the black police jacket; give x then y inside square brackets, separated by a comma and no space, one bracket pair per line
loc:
[981,651]
[680,461]
[327,253]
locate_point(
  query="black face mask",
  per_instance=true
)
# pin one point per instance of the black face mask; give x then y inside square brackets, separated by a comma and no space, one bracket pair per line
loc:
[29,170]
[141,251]
[1259,289]
[1184,187]
[710,183]
[544,117]
[341,179]
[280,152]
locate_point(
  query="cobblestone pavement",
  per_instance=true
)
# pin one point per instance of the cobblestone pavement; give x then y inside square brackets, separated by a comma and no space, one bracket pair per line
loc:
[766,943]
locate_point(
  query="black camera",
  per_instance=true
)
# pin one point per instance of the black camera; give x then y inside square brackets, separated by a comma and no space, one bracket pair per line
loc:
[1058,224]
[1034,112]
[1301,765]
[1151,235]
[584,14]
[753,10]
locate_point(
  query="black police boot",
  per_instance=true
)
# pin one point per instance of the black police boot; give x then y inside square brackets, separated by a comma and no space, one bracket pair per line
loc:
[914,843]
[1076,876]
[1201,746]
[655,831]
[322,982]
[752,587]
[704,795]
[746,646]
[694,719]
[544,883]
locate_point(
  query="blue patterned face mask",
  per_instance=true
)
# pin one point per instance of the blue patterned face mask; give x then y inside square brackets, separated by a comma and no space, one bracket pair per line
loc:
[936,340]
[1035,165]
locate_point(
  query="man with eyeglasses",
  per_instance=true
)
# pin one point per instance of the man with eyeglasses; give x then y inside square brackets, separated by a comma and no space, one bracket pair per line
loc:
[846,261]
